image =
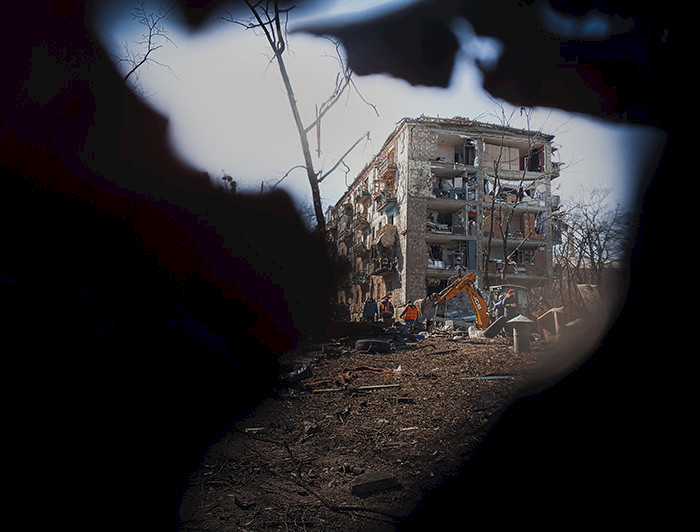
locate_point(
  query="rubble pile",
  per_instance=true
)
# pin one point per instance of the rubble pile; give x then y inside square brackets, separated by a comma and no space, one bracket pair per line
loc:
[355,437]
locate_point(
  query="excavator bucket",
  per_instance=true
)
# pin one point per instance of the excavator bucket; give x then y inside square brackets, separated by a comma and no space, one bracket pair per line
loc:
[492,330]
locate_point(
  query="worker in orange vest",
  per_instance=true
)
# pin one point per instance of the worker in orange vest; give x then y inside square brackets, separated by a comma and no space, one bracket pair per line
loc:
[386,311]
[410,315]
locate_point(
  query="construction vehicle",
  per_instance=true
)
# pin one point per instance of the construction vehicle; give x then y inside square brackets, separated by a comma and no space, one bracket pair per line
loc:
[466,283]
[522,298]
[484,312]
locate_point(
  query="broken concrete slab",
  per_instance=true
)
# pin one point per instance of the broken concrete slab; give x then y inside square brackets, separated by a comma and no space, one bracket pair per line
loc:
[373,482]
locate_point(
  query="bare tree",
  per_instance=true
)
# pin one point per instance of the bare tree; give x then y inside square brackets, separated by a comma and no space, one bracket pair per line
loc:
[270,17]
[596,241]
[154,36]
[502,212]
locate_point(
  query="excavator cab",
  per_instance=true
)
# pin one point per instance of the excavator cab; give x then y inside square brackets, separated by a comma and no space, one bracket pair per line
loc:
[522,296]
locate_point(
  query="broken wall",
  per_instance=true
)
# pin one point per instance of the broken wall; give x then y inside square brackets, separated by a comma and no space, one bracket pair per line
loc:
[420,182]
[422,148]
[423,143]
[416,250]
[508,158]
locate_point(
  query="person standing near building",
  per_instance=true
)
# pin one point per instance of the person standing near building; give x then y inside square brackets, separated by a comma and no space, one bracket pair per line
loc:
[386,310]
[498,307]
[410,315]
[510,303]
[370,310]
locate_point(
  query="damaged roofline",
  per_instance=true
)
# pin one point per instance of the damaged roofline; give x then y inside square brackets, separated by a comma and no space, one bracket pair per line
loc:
[423,119]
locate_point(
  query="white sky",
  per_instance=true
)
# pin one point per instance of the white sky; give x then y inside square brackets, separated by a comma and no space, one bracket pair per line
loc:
[228,111]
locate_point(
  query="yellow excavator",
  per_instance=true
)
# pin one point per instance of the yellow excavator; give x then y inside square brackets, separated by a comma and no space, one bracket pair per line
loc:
[466,284]
[484,318]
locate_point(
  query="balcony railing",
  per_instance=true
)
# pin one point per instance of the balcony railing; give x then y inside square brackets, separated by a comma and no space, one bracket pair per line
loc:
[362,195]
[385,165]
[381,266]
[359,221]
[385,199]
[360,249]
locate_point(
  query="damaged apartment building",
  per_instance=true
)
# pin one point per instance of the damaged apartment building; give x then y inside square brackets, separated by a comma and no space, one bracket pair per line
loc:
[436,202]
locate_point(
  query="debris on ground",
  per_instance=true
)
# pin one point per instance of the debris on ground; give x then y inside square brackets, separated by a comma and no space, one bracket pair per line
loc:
[356,433]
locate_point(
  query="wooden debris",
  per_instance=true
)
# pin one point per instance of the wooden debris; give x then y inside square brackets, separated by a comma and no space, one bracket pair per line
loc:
[489,377]
[415,424]
[369,387]
[338,382]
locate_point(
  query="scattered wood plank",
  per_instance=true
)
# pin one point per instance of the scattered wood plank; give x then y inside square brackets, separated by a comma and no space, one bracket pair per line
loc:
[369,387]
[489,377]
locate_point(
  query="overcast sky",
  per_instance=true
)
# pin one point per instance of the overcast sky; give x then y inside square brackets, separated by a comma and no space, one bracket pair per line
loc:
[229,114]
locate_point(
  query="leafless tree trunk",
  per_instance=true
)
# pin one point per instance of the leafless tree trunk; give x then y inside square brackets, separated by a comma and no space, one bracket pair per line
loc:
[504,211]
[270,17]
[598,239]
[500,209]
[510,208]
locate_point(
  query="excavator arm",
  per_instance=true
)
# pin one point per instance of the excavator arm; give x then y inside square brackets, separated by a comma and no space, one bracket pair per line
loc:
[466,283]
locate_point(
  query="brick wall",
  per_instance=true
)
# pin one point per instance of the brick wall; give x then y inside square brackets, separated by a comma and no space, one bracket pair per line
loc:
[423,143]
[416,250]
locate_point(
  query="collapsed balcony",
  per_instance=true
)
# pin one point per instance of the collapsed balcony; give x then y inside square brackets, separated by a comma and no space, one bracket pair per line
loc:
[460,222]
[461,187]
[362,196]
[383,265]
[446,259]
[383,259]
[514,156]
[384,191]
[359,221]
[523,263]
[385,200]
[526,195]
[519,225]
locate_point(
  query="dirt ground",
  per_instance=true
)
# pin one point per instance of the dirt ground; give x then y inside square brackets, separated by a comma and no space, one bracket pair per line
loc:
[411,415]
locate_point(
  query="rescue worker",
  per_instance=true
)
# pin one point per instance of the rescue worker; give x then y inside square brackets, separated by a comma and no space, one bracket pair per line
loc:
[410,315]
[370,310]
[386,310]
[510,302]
[498,306]
[509,307]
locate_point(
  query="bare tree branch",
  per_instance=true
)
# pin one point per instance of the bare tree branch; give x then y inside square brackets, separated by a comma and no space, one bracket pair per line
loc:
[286,174]
[269,17]
[324,176]
[340,86]
[330,102]
[155,33]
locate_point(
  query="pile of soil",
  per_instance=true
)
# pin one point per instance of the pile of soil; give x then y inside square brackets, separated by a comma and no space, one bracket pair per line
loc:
[358,437]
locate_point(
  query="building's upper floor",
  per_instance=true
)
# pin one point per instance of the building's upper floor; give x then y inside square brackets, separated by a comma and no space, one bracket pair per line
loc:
[453,163]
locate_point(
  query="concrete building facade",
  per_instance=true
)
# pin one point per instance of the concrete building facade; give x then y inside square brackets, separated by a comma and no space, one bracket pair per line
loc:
[435,203]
